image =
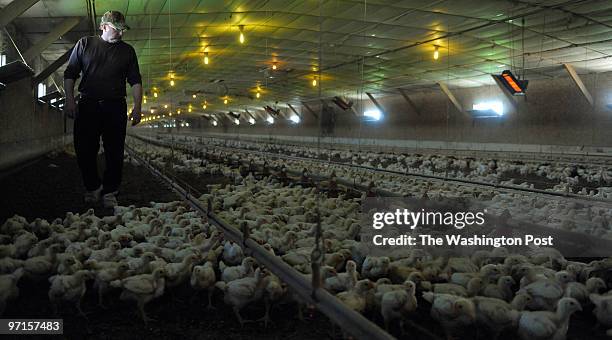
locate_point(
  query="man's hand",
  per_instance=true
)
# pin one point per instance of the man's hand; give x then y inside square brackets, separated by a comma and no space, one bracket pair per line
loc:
[135,116]
[70,108]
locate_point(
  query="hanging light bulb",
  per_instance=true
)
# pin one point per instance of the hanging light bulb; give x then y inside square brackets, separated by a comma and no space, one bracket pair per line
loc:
[204,106]
[257,95]
[193,96]
[178,111]
[165,106]
[314,82]
[436,53]
[205,58]
[189,109]
[225,101]
[155,94]
[274,66]
[145,99]
[171,79]
[241,39]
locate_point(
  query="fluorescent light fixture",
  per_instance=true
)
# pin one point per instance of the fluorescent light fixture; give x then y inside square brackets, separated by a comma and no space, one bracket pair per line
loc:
[295,119]
[495,106]
[373,114]
[270,119]
[252,120]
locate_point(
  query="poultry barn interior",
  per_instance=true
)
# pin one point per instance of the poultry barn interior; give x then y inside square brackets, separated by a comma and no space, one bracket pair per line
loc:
[261,189]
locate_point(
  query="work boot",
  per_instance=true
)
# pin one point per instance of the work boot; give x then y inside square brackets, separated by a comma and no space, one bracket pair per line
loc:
[109,200]
[93,196]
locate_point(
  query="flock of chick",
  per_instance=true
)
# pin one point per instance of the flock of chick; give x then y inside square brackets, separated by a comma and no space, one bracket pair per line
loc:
[564,174]
[561,213]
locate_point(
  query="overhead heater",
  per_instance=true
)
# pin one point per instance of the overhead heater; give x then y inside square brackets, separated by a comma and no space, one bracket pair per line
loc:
[514,86]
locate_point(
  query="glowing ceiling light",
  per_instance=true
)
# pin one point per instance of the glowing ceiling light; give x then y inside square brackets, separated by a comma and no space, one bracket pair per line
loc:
[314,82]
[436,53]
[274,66]
[225,101]
[270,119]
[189,109]
[241,39]
[495,106]
[205,58]
[295,119]
[155,94]
[214,122]
[178,111]
[193,96]
[257,95]
[165,106]
[373,114]
[252,120]
[204,106]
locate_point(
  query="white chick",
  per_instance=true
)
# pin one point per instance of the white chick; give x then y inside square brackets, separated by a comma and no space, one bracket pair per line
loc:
[204,278]
[232,253]
[548,325]
[105,276]
[603,309]
[355,299]
[229,274]
[452,312]
[8,288]
[398,304]
[142,289]
[241,292]
[69,288]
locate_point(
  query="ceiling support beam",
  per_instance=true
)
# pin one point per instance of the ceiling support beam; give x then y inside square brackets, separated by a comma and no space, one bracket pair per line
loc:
[505,92]
[451,97]
[50,38]
[378,106]
[576,78]
[14,9]
[310,110]
[409,101]
[44,74]
[248,113]
[294,111]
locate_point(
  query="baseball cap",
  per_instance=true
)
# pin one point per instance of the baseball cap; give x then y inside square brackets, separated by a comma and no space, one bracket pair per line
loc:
[115,19]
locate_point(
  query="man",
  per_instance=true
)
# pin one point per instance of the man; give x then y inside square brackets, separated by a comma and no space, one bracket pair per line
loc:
[106,62]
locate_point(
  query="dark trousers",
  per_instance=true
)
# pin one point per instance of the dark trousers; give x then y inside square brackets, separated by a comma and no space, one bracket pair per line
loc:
[108,119]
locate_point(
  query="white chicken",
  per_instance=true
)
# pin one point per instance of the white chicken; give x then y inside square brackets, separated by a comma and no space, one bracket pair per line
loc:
[232,253]
[241,292]
[603,309]
[142,289]
[548,325]
[229,274]
[105,276]
[452,312]
[8,288]
[398,304]
[204,278]
[355,299]
[69,288]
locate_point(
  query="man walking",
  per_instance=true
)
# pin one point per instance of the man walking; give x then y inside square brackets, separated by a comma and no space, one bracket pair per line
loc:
[105,63]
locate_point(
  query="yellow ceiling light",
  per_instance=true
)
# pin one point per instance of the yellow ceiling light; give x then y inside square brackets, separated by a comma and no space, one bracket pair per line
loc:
[145,99]
[189,109]
[155,94]
[204,106]
[171,79]
[274,66]
[436,53]
[258,95]
[152,111]
[205,58]
[178,111]
[165,106]
[225,101]
[241,39]
[314,82]
[170,113]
